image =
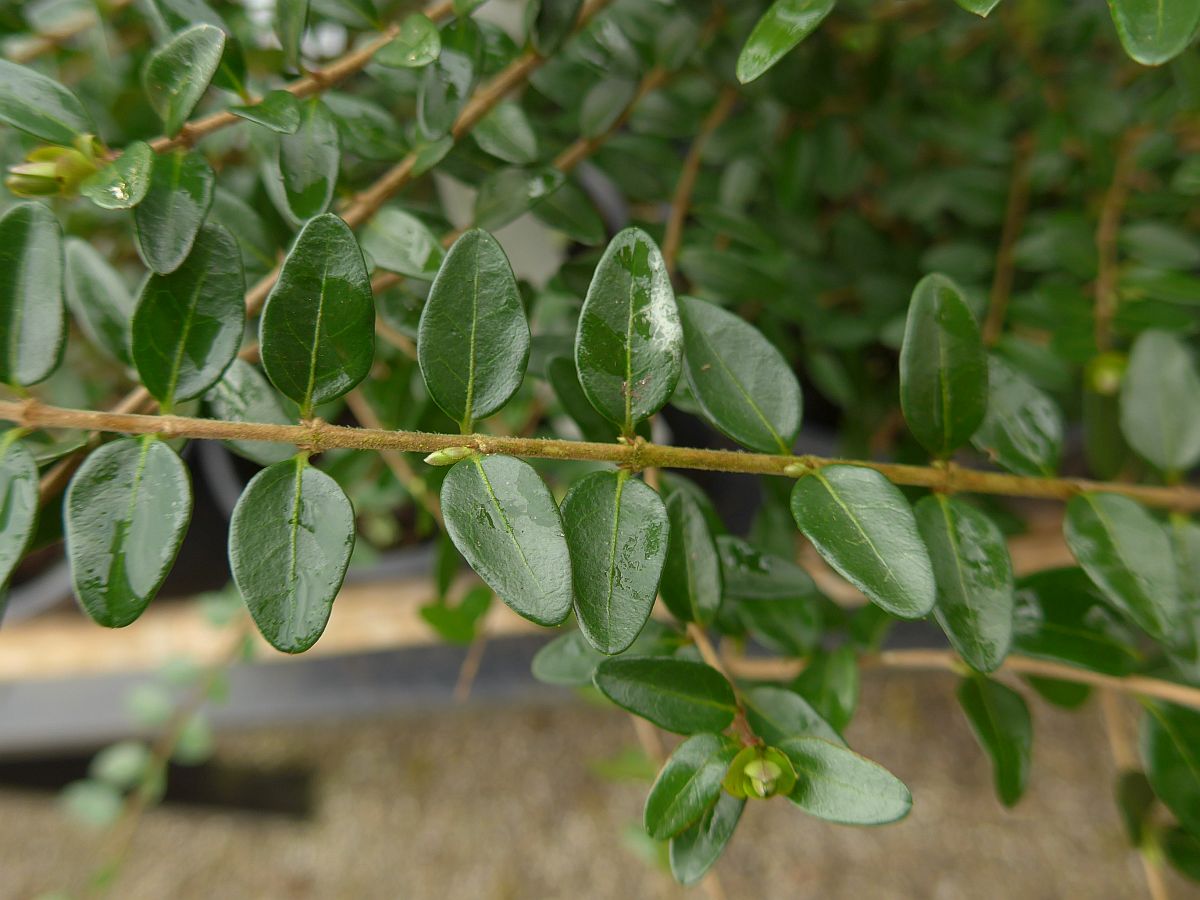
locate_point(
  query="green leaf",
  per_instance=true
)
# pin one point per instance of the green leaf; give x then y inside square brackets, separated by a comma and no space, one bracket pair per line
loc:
[1128,556]
[603,105]
[943,367]
[1155,31]
[979,7]
[508,193]
[617,529]
[863,527]
[781,28]
[1023,427]
[473,339]
[188,325]
[691,579]
[689,783]
[278,111]
[244,395]
[169,217]
[290,539]
[1170,751]
[123,183]
[177,75]
[309,160]
[503,519]
[1160,402]
[777,715]
[1182,850]
[506,134]
[550,22]
[446,84]
[1000,720]
[291,18]
[741,381]
[629,345]
[750,574]
[402,243]
[830,683]
[1060,615]
[693,852]
[318,325]
[41,106]
[124,517]
[563,378]
[416,44]
[459,624]
[31,294]
[572,212]
[836,784]
[568,660]
[974,579]
[18,504]
[678,695]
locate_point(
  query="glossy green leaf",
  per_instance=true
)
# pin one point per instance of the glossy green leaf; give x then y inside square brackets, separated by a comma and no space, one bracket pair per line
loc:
[777,714]
[170,16]
[979,7]
[402,243]
[1128,556]
[974,579]
[617,529]
[1160,402]
[1000,720]
[506,134]
[693,851]
[568,660]
[31,294]
[1023,427]
[741,381]
[603,105]
[572,212]
[18,504]
[503,519]
[123,183]
[318,325]
[1060,615]
[188,325]
[473,339]
[291,18]
[561,374]
[446,84]
[177,75]
[550,22]
[125,514]
[508,193]
[244,395]
[41,106]
[290,539]
[836,784]
[1155,31]
[784,25]
[691,579]
[1181,849]
[679,695]
[943,367]
[278,111]
[750,574]
[830,683]
[1170,751]
[863,527]
[688,784]
[309,160]
[629,345]
[170,215]
[416,44]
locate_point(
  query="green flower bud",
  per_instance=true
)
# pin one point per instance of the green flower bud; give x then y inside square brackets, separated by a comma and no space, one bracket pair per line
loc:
[448,456]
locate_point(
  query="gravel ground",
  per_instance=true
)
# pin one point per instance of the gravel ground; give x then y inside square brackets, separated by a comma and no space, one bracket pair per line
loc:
[505,803]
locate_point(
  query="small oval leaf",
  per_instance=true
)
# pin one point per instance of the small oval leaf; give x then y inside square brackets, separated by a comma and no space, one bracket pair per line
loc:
[124,517]
[691,579]
[473,339]
[291,18]
[123,183]
[18,504]
[688,784]
[838,785]
[1155,31]
[31,294]
[629,345]
[244,395]
[290,540]
[503,519]
[170,215]
[506,134]
[863,527]
[417,43]
[318,325]
[278,111]
[98,299]
[693,852]
[309,160]
[177,75]
[1160,402]
[1170,751]
[1000,720]
[41,106]
[617,529]
[679,695]
[777,714]
[1023,427]
[781,28]
[402,243]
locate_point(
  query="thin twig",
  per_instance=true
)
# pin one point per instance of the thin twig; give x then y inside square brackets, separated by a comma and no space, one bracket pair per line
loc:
[1107,231]
[470,666]
[682,199]
[44,42]
[580,149]
[1014,219]
[320,435]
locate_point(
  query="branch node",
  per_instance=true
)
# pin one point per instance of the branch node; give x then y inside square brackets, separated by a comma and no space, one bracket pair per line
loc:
[316,435]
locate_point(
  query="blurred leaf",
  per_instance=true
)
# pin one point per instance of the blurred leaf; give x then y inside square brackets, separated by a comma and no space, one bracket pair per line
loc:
[1000,720]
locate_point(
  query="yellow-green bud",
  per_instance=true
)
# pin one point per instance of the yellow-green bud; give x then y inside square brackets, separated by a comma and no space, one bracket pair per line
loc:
[448,456]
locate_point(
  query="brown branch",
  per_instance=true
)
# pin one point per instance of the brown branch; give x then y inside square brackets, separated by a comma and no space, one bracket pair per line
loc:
[46,41]
[1014,219]
[682,198]
[949,661]
[314,83]
[1107,232]
[322,436]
